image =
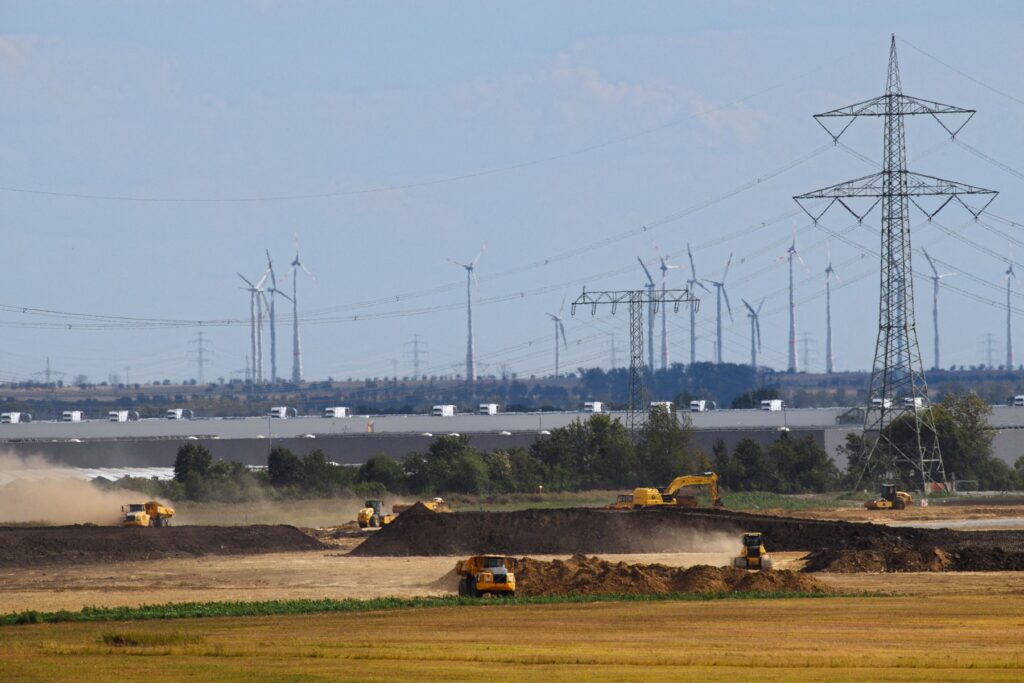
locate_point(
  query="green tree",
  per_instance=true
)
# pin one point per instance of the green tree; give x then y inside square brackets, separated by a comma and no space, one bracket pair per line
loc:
[753,398]
[596,453]
[385,470]
[801,466]
[284,468]
[749,470]
[192,458]
[665,448]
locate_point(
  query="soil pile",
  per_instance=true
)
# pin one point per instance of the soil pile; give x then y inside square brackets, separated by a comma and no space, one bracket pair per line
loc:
[586,530]
[70,545]
[896,559]
[591,575]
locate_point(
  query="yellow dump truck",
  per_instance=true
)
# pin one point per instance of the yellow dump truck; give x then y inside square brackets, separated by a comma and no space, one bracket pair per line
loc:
[434,505]
[753,555]
[487,575]
[651,497]
[372,515]
[147,514]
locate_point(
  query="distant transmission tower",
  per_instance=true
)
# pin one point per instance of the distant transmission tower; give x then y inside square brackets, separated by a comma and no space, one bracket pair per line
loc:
[417,349]
[898,384]
[805,342]
[201,352]
[989,345]
[636,299]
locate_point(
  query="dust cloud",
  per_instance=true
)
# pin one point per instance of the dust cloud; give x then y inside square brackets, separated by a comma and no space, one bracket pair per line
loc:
[37,492]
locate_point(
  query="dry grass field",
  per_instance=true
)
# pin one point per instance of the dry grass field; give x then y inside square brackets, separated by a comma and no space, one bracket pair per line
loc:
[962,638]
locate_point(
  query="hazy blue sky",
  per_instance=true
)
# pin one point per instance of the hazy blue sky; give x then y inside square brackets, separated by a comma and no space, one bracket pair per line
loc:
[541,129]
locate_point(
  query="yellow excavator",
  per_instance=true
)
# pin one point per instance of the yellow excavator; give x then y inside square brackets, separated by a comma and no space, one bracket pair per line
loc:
[650,497]
[890,499]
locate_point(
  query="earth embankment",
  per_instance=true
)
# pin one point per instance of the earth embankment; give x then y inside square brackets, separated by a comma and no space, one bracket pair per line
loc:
[69,545]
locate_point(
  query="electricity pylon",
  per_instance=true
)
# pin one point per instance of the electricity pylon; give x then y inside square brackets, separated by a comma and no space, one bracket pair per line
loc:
[898,390]
[636,299]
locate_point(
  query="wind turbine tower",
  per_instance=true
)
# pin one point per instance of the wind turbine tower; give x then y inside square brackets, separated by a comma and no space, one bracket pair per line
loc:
[274,292]
[719,293]
[1009,329]
[755,330]
[650,315]
[470,281]
[559,329]
[255,324]
[935,303]
[665,267]
[829,272]
[296,346]
[790,253]
[692,285]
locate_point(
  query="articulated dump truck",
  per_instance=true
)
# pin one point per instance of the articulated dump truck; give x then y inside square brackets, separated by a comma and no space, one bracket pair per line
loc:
[147,514]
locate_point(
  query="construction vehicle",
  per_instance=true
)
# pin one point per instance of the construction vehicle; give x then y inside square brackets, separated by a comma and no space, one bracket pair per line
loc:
[623,502]
[372,515]
[434,505]
[147,514]
[651,497]
[753,555]
[487,575]
[890,499]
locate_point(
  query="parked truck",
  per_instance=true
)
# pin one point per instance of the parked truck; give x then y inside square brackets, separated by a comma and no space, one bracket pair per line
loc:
[122,416]
[179,414]
[593,407]
[151,513]
[488,409]
[14,418]
[443,411]
[773,404]
[283,412]
[71,416]
[337,411]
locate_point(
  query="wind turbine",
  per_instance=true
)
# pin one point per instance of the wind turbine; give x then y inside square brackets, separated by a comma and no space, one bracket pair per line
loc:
[296,346]
[1009,330]
[790,253]
[935,302]
[256,324]
[692,284]
[755,330]
[665,267]
[559,329]
[274,292]
[470,281]
[719,293]
[829,272]
[650,314]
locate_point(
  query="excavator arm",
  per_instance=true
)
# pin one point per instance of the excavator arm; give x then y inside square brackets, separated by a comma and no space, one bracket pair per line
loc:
[709,479]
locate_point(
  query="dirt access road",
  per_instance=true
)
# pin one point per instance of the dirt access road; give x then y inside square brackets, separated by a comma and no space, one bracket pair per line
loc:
[279,576]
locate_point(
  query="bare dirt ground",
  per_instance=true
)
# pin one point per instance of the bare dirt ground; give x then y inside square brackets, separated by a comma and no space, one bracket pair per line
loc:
[933,515]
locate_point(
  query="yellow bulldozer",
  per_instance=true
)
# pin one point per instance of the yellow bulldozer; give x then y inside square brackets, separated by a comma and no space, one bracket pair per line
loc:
[753,555]
[651,497]
[487,575]
[890,499]
[151,513]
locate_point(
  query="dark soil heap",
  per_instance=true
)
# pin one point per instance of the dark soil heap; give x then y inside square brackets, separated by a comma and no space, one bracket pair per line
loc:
[889,558]
[69,545]
[591,575]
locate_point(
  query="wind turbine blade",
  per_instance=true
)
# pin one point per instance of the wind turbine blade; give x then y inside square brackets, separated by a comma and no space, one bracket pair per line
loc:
[646,272]
[262,280]
[728,306]
[838,279]
[749,307]
[246,281]
[693,268]
[761,305]
[757,328]
[476,282]
[561,328]
[728,263]
[270,267]
[562,307]
[278,292]
[701,285]
[481,253]
[307,271]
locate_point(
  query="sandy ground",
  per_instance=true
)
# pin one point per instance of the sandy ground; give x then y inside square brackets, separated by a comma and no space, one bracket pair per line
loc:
[273,576]
[334,575]
[957,516]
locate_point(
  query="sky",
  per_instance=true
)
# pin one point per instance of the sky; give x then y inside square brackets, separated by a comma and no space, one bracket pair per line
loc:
[151,151]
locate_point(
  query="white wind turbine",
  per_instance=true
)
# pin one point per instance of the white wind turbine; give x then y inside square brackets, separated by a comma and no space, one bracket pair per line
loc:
[470,281]
[274,292]
[650,314]
[1010,275]
[665,267]
[755,330]
[936,277]
[256,323]
[296,346]
[559,330]
[692,284]
[719,293]
[829,272]
[790,254]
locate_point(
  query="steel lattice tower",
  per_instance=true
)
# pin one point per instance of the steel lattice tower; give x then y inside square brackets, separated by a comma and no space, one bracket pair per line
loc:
[898,394]
[636,299]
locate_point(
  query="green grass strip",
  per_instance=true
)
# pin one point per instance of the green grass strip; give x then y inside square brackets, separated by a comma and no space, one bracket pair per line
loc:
[192,610]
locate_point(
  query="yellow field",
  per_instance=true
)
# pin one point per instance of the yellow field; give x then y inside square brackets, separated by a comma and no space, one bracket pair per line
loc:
[963,638]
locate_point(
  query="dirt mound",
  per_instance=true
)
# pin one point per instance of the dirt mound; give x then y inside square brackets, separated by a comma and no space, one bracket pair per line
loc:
[69,545]
[585,530]
[591,575]
[893,559]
